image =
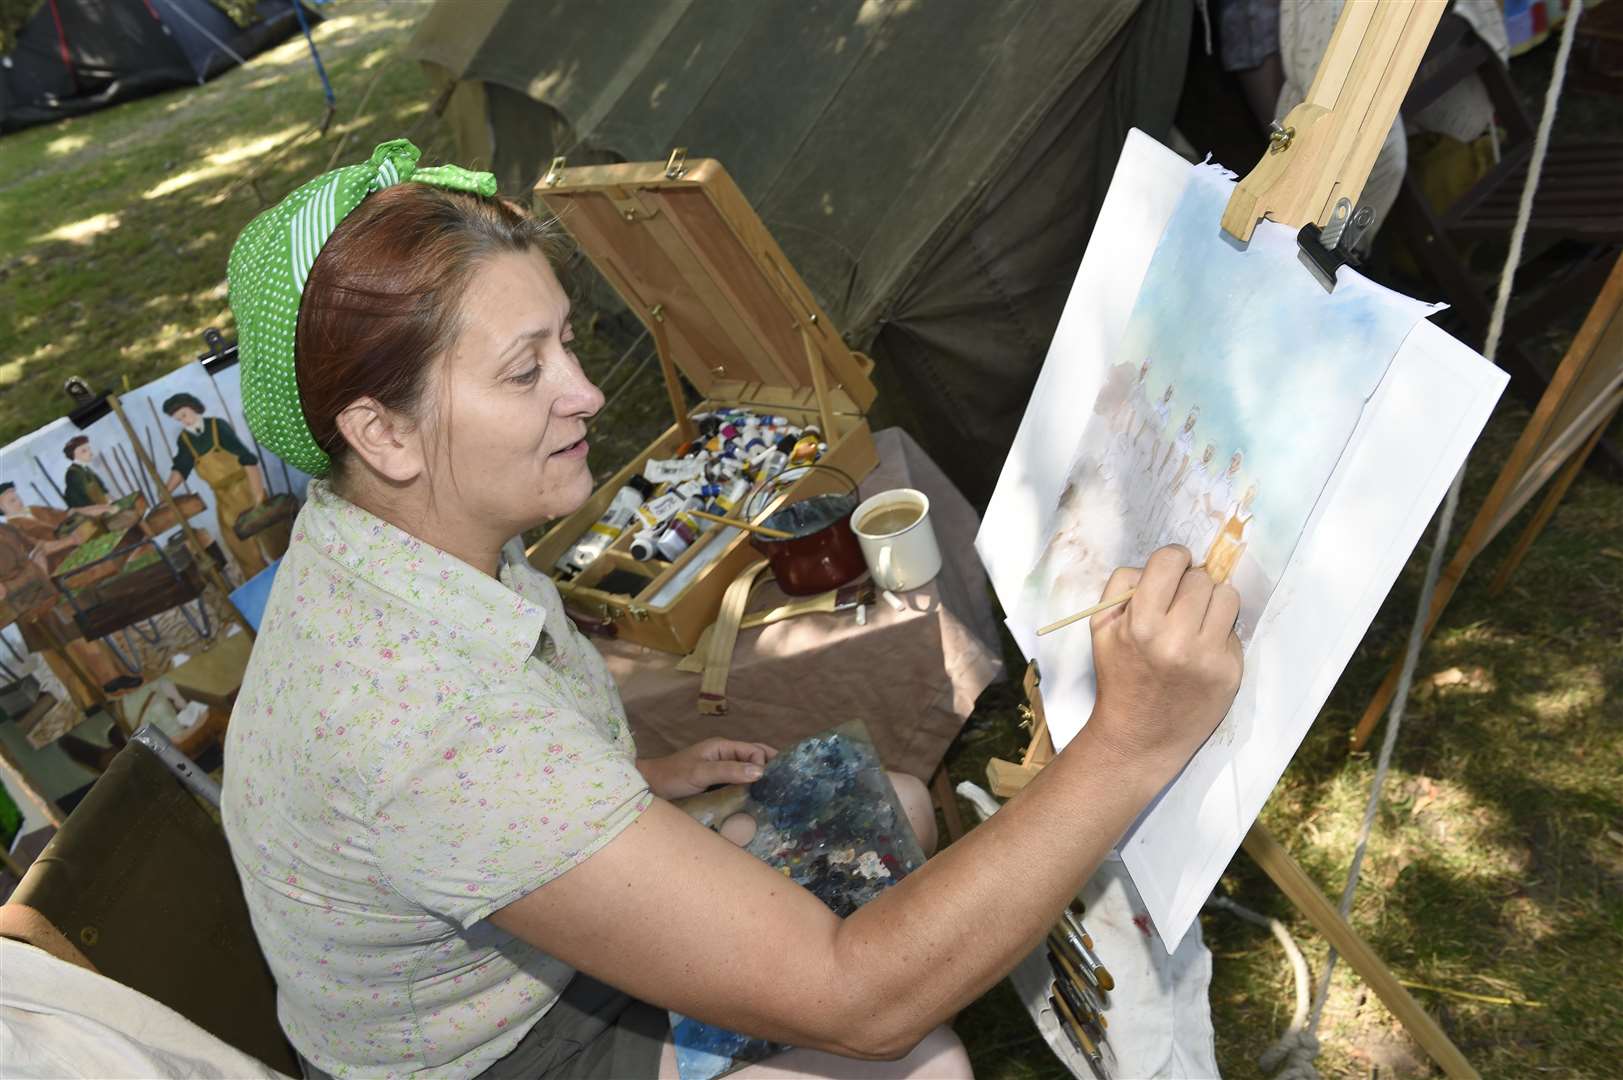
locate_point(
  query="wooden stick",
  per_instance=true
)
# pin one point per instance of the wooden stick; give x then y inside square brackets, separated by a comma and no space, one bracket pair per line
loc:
[1547,508]
[762,530]
[1312,903]
[814,361]
[1590,346]
[1103,605]
[667,370]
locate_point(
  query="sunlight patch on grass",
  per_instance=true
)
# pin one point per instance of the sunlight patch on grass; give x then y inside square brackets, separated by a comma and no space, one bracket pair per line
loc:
[1578,690]
[84,230]
[66,144]
[222,162]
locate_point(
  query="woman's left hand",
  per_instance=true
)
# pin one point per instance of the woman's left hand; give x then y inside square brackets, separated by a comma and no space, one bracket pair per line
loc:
[704,765]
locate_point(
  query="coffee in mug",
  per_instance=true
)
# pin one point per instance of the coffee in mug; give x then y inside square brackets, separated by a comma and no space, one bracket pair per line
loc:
[890,518]
[894,530]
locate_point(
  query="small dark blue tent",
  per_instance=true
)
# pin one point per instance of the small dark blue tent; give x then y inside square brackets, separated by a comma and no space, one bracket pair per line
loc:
[71,56]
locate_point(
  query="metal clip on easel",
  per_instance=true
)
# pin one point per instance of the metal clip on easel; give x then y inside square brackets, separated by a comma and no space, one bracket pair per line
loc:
[1321,154]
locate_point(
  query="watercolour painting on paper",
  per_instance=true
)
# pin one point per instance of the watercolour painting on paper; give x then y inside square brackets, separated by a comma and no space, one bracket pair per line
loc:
[1216,425]
[1297,441]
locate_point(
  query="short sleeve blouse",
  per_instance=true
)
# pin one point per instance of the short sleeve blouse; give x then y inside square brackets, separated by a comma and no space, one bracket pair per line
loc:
[415,746]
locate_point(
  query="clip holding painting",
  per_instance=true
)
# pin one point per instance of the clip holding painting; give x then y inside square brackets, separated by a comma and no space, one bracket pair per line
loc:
[1326,250]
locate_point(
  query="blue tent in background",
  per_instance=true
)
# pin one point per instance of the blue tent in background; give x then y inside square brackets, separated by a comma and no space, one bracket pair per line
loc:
[71,56]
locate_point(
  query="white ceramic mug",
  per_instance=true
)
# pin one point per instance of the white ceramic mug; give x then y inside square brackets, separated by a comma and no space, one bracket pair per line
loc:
[898,558]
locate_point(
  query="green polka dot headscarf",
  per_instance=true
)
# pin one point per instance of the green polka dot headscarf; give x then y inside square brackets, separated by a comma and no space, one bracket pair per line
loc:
[266,275]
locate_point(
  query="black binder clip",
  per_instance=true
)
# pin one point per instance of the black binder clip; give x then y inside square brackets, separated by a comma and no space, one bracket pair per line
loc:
[221,355]
[1326,250]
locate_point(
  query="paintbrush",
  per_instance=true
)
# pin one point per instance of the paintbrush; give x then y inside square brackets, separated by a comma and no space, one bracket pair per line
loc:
[1062,953]
[1078,1035]
[1071,932]
[1090,959]
[1088,613]
[759,530]
[1076,996]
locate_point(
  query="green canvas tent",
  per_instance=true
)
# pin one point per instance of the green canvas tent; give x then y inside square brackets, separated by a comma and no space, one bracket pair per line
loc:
[932,167]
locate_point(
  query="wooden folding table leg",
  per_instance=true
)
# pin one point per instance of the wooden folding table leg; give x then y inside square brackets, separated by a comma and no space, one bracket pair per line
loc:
[1295,884]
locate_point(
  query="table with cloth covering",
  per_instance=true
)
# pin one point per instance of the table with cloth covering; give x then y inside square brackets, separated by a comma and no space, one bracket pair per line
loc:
[911,676]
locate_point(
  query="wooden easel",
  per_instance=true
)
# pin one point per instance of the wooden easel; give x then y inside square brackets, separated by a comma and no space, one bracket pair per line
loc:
[1574,412]
[1312,175]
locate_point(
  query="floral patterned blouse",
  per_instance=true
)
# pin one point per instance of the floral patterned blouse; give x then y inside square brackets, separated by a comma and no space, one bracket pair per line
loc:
[415,746]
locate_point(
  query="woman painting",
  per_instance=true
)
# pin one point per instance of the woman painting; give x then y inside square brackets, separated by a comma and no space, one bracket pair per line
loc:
[455,860]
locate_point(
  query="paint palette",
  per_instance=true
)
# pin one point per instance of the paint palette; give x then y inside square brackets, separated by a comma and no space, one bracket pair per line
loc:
[827,818]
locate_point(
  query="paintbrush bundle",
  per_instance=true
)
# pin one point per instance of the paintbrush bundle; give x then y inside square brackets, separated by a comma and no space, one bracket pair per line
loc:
[1078,994]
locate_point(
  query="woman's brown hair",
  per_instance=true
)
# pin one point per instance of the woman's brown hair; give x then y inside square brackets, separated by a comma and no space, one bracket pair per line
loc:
[384,298]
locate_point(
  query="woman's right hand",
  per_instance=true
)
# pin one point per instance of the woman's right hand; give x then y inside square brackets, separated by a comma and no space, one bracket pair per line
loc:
[1168,661]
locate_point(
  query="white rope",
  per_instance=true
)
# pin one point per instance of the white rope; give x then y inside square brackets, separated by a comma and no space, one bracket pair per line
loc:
[1445,522]
[1297,1048]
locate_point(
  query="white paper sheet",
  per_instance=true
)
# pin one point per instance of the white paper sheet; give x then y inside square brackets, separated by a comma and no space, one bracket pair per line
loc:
[1409,440]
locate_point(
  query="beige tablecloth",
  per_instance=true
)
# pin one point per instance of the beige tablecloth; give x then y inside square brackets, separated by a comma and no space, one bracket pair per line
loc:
[911,676]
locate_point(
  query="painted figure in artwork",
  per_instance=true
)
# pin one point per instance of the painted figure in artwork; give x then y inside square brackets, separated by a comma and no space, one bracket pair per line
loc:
[1182,446]
[82,487]
[1183,499]
[1230,544]
[1135,401]
[1155,419]
[38,523]
[35,527]
[211,447]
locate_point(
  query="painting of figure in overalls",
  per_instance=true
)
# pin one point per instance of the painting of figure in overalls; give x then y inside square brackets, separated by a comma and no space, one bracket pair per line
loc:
[209,446]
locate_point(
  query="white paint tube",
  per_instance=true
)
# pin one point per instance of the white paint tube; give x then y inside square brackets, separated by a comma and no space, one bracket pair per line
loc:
[656,512]
[674,470]
[603,531]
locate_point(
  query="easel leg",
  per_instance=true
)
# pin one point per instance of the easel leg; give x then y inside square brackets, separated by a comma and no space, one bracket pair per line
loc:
[1546,510]
[1302,892]
[947,799]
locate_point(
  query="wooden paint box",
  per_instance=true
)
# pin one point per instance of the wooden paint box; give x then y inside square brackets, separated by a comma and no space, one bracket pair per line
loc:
[723,307]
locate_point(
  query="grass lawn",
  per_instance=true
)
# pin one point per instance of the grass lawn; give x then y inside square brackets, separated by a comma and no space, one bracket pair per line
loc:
[1496,868]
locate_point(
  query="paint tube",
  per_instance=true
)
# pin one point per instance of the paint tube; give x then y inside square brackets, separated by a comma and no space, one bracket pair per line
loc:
[603,531]
[681,532]
[730,498]
[657,511]
[724,469]
[643,546]
[805,450]
[771,465]
[673,470]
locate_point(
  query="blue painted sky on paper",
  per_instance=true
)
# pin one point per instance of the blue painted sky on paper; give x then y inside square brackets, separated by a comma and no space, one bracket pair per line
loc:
[1279,368]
